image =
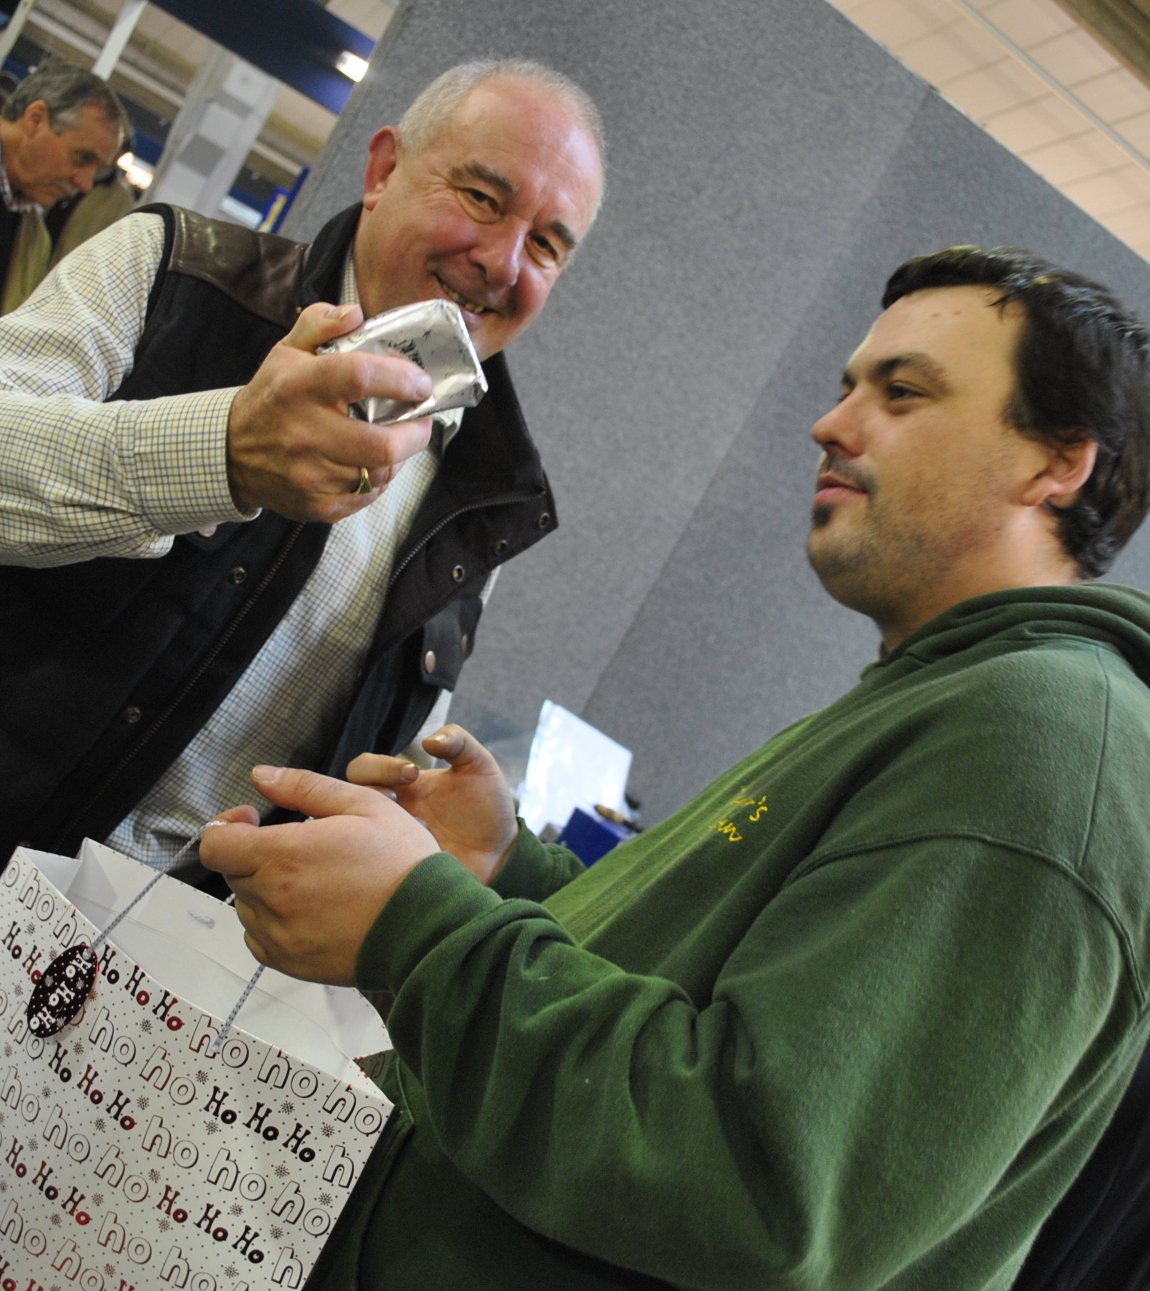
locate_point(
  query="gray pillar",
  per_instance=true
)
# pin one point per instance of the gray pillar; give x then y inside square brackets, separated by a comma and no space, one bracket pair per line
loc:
[769,166]
[226,106]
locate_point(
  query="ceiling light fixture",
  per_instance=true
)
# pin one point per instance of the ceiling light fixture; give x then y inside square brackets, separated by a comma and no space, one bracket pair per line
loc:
[138,173]
[351,65]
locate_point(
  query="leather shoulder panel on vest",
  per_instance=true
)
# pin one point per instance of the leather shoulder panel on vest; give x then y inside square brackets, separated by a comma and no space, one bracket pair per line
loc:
[260,271]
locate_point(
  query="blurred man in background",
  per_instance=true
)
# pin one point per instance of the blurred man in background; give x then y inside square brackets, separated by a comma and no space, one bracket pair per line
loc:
[60,129]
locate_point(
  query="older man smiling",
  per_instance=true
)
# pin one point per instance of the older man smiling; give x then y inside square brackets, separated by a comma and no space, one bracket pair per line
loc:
[208,561]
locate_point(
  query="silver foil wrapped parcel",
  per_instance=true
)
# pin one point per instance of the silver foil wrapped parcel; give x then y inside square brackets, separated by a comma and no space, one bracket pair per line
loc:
[431,333]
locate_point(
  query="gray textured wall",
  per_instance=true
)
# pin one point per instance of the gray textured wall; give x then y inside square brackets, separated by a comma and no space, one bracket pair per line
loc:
[769,165]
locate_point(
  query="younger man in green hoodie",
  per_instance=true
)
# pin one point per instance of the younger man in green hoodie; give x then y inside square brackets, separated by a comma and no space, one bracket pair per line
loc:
[855,1016]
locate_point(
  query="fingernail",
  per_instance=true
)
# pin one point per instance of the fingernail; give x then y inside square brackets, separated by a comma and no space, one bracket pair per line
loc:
[266,775]
[410,771]
[438,737]
[424,385]
[339,311]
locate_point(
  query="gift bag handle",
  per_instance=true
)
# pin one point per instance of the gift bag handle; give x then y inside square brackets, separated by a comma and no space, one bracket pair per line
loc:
[66,982]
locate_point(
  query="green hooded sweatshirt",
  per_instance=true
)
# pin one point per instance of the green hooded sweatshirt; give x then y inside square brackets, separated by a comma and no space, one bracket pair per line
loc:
[853,1018]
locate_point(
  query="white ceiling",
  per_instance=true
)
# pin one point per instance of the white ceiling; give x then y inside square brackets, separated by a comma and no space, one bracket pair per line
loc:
[975,68]
[978,72]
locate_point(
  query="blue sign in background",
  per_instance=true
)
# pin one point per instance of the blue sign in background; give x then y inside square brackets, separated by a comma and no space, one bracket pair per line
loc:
[296,41]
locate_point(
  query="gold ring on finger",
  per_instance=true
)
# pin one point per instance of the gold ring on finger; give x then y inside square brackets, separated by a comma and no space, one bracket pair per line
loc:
[365,485]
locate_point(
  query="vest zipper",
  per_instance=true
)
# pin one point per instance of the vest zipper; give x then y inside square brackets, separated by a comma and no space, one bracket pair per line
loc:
[205,664]
[506,500]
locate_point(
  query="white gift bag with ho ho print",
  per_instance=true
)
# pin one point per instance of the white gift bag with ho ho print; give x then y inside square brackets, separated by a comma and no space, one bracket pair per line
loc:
[135,1151]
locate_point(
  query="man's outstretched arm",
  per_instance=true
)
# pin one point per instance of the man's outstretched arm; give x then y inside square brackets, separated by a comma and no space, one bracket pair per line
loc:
[84,478]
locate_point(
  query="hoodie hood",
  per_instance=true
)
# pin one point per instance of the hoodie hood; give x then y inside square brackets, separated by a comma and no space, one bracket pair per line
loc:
[1102,612]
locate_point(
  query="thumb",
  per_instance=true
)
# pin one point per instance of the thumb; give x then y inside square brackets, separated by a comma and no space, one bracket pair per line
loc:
[461,750]
[320,323]
[237,816]
[315,795]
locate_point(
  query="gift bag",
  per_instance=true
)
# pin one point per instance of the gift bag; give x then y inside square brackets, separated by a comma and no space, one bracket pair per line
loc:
[135,1152]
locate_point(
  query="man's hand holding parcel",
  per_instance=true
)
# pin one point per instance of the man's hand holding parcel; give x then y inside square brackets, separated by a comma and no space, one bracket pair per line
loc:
[292,444]
[308,892]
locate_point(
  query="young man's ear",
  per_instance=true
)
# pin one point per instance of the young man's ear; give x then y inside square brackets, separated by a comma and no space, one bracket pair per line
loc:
[1067,469]
[382,156]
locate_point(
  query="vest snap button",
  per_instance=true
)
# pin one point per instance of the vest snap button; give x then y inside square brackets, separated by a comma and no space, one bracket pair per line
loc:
[544,520]
[464,642]
[429,661]
[500,547]
[239,574]
[132,716]
[457,573]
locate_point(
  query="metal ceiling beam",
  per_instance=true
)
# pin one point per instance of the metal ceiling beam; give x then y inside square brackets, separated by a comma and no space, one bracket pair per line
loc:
[1123,26]
[1052,82]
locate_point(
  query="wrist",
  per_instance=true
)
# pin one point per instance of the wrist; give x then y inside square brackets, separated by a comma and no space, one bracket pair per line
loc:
[239,481]
[505,855]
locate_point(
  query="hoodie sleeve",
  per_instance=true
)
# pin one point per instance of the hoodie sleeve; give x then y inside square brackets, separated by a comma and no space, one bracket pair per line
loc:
[790,1131]
[536,870]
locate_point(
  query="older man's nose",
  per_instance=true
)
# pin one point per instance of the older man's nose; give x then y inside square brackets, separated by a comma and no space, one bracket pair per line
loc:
[500,253]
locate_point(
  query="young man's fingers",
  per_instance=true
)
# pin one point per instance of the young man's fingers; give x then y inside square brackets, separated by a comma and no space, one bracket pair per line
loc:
[253,944]
[377,771]
[460,749]
[244,815]
[313,794]
[235,851]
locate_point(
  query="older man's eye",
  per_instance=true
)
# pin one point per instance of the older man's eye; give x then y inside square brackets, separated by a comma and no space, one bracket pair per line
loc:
[484,201]
[545,251]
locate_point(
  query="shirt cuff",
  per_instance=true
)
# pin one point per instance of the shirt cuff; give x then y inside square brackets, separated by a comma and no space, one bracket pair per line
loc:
[175,456]
[436,899]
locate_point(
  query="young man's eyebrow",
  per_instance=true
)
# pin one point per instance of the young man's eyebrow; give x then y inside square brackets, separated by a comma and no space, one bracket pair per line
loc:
[920,364]
[914,362]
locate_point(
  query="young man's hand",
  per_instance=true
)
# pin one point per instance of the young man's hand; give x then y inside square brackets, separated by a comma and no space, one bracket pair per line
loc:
[468,807]
[308,893]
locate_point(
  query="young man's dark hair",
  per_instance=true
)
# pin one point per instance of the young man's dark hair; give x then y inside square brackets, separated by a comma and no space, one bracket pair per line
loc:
[1083,372]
